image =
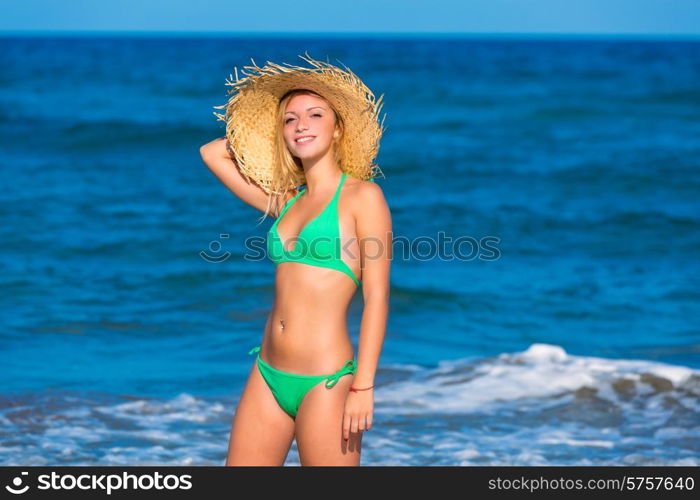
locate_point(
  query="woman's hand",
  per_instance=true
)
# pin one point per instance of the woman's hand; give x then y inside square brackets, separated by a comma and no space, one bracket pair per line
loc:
[358,412]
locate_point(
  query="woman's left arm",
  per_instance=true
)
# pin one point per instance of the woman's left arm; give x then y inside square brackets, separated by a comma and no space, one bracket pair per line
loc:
[374,233]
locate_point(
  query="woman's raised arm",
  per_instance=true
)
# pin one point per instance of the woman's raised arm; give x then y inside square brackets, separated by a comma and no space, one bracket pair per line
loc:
[217,157]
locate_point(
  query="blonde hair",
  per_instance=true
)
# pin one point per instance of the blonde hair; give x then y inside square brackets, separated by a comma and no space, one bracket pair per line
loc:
[287,169]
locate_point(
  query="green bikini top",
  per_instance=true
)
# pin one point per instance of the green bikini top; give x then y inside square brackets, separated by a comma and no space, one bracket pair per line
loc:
[318,243]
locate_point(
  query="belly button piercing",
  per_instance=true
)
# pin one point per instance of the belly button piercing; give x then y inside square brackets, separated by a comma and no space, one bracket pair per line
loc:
[282,322]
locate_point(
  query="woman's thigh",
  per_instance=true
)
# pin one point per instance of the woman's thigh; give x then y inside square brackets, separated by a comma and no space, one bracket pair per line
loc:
[261,432]
[319,427]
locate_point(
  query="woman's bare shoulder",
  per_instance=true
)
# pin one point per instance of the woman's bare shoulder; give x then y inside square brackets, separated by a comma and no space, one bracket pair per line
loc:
[363,189]
[365,194]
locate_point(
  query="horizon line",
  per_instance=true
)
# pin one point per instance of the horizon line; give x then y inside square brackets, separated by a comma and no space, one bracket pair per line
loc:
[336,34]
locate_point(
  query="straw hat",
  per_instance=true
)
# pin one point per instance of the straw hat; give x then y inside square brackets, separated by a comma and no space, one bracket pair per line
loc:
[251,114]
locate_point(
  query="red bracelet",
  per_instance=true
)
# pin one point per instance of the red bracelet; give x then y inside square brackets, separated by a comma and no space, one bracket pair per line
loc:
[355,389]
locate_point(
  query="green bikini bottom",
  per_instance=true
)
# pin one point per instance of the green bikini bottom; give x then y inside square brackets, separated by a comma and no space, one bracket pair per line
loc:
[289,389]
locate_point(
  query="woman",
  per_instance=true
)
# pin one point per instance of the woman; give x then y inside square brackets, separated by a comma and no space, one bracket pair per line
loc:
[329,238]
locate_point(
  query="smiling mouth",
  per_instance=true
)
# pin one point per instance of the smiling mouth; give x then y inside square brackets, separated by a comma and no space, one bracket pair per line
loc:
[305,140]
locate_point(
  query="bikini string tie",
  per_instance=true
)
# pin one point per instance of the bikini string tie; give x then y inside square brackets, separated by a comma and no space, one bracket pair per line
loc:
[349,367]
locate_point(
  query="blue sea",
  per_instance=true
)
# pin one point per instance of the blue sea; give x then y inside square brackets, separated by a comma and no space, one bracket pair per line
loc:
[564,329]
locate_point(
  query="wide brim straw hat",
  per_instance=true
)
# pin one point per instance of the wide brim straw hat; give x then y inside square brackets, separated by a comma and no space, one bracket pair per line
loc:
[251,115]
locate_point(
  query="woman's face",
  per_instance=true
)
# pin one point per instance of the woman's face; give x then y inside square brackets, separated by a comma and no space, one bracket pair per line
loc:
[308,116]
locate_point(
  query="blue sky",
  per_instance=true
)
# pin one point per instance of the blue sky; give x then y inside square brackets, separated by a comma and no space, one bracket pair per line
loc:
[626,17]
